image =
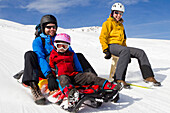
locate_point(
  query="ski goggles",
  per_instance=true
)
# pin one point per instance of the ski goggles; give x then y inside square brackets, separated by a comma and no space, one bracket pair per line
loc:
[49,27]
[60,46]
[116,12]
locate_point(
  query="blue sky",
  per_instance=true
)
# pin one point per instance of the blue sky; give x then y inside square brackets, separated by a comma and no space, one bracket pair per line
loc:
[142,18]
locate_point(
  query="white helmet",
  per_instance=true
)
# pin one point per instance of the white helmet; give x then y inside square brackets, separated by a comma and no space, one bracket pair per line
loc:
[118,7]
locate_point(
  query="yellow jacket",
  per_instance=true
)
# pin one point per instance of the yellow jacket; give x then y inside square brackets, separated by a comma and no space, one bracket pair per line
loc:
[112,33]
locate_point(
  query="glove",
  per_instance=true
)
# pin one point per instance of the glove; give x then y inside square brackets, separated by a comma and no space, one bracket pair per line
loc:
[52,83]
[107,54]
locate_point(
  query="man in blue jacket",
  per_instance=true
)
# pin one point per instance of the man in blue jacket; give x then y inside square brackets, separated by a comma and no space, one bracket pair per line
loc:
[36,61]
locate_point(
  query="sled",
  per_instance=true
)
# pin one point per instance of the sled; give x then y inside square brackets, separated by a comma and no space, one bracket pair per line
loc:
[91,93]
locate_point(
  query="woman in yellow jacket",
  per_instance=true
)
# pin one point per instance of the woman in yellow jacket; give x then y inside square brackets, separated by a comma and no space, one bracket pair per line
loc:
[113,41]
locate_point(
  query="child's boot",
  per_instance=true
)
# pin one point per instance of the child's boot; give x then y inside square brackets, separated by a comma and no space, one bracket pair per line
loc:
[73,97]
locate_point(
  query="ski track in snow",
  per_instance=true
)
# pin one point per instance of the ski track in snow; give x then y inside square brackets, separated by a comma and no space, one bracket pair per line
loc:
[16,39]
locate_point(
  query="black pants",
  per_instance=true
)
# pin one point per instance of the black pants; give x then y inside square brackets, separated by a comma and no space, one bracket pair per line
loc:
[125,54]
[85,78]
[32,70]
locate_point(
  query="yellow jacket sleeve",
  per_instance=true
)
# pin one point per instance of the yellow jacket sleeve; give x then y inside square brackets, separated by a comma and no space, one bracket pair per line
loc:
[104,35]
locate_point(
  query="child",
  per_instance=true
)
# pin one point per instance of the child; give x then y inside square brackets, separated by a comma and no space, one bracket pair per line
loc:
[62,58]
[113,41]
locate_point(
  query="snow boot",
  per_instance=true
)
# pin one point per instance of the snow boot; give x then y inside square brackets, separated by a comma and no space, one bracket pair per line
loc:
[125,85]
[152,79]
[37,95]
[73,97]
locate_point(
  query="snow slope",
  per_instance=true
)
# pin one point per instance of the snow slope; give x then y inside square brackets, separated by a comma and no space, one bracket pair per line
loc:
[16,39]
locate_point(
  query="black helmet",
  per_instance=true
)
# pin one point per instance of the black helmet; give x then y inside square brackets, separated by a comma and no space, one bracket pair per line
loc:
[47,19]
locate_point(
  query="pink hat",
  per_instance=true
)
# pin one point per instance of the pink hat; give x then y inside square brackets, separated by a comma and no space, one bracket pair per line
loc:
[62,37]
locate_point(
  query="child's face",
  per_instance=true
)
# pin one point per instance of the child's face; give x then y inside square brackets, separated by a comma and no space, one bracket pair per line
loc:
[61,46]
[117,15]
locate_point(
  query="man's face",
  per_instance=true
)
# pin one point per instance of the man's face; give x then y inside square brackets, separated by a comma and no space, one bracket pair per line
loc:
[50,29]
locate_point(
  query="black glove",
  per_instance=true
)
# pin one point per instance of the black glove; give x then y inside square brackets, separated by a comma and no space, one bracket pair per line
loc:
[107,54]
[52,83]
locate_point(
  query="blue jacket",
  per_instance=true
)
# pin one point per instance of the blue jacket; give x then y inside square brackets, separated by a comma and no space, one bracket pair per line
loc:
[43,52]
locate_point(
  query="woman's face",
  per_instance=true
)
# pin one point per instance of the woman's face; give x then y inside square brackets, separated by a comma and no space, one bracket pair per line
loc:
[117,15]
[50,29]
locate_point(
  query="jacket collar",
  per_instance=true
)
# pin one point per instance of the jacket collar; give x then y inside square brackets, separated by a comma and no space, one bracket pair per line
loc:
[45,36]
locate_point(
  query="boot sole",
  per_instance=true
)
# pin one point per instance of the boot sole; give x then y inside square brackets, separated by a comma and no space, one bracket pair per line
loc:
[41,101]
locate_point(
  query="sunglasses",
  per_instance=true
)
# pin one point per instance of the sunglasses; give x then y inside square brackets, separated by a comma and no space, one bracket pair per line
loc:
[60,46]
[49,27]
[116,12]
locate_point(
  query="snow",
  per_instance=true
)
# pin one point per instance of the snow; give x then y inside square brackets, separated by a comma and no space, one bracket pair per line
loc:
[16,39]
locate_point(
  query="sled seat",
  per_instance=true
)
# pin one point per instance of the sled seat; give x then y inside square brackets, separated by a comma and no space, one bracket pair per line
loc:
[113,66]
